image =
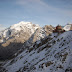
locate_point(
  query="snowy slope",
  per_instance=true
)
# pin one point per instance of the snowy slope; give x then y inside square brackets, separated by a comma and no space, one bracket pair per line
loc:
[50,54]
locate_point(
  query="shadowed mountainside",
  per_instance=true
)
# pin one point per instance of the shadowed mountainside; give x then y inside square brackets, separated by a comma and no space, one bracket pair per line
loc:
[8,51]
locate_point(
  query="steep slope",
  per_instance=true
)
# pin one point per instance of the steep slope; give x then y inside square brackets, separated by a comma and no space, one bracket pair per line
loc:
[50,54]
[39,34]
[42,32]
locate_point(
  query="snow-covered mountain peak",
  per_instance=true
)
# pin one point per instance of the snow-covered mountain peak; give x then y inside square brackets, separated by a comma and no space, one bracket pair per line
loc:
[22,22]
[68,27]
[20,29]
[21,25]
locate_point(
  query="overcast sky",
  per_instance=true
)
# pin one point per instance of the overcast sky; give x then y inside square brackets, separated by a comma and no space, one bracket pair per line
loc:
[40,12]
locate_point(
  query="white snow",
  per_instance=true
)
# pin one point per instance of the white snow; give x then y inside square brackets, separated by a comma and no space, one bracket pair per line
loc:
[67,27]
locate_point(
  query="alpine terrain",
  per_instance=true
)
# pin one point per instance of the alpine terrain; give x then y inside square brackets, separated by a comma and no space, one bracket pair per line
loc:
[27,47]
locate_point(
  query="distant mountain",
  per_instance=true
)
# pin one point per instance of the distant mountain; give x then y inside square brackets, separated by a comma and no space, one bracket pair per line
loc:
[68,27]
[13,38]
[25,29]
[53,53]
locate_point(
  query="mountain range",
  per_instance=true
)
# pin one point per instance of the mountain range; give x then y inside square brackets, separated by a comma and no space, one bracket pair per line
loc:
[27,47]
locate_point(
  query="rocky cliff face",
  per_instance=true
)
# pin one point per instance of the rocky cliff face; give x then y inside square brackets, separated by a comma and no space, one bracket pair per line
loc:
[50,54]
